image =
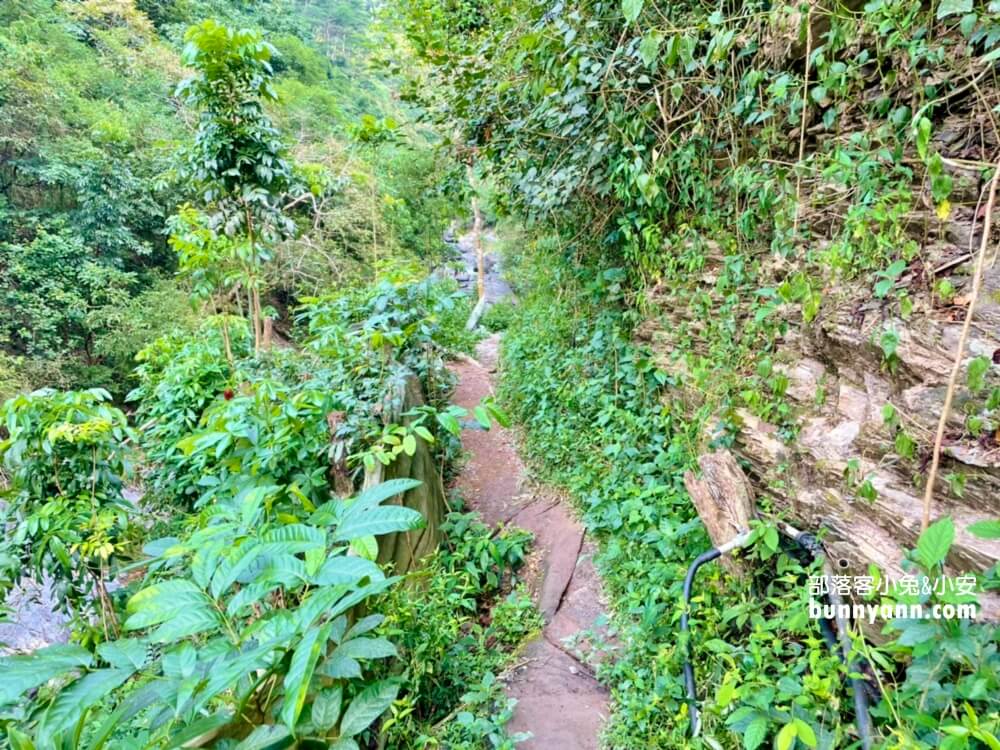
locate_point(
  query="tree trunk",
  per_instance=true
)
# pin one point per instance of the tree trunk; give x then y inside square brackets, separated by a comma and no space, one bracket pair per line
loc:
[404,550]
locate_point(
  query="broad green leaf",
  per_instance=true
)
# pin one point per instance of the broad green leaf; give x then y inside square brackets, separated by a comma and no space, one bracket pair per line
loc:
[364,625]
[498,414]
[344,743]
[337,629]
[953,8]
[180,662]
[72,702]
[135,701]
[294,538]
[333,602]
[59,550]
[366,648]
[201,731]
[895,269]
[771,540]
[786,737]
[229,669]
[985,529]
[449,422]
[99,736]
[288,570]
[248,596]
[344,569]
[299,495]
[631,9]
[740,717]
[482,416]
[725,694]
[168,546]
[976,374]
[649,47]
[380,493]
[804,733]
[314,560]
[165,590]
[160,601]
[263,737]
[378,521]
[18,674]
[810,306]
[185,623]
[300,673]
[934,543]
[251,499]
[755,733]
[923,136]
[365,547]
[340,668]
[125,653]
[19,740]
[229,570]
[367,706]
[204,563]
[409,445]
[915,632]
[789,685]
[326,708]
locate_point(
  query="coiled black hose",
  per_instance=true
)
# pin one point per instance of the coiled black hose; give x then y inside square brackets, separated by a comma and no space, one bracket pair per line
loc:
[811,545]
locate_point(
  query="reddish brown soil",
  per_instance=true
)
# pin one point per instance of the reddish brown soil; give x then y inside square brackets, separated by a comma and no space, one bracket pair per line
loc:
[559,701]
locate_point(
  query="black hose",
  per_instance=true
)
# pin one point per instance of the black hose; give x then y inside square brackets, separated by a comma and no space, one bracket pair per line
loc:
[689,683]
[811,545]
[858,686]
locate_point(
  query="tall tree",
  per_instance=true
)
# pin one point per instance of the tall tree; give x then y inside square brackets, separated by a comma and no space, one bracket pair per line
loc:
[237,161]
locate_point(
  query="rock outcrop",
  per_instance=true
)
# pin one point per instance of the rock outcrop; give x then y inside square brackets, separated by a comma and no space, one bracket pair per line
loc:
[842,473]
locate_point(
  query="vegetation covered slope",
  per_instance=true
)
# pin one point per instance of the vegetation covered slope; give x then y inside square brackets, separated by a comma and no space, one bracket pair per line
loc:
[266,263]
[91,128]
[791,196]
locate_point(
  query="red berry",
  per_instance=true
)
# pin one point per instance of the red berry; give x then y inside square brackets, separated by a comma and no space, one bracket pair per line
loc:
[228,394]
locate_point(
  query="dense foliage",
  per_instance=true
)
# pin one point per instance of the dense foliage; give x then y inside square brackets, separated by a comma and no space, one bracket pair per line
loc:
[244,625]
[93,134]
[232,195]
[239,601]
[70,515]
[609,437]
[745,172]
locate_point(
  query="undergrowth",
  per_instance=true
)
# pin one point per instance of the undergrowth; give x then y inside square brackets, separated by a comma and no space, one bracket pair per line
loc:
[264,617]
[596,421]
[456,625]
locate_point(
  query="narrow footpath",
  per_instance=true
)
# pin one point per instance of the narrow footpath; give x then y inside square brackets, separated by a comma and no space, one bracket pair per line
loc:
[559,701]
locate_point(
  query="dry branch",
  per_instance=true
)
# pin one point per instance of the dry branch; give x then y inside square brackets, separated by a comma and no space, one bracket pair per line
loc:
[977,281]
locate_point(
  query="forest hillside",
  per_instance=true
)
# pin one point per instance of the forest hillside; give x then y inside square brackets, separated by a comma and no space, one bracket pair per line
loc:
[449,374]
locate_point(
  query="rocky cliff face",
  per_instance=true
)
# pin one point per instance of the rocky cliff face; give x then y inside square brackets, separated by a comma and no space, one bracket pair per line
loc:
[847,471]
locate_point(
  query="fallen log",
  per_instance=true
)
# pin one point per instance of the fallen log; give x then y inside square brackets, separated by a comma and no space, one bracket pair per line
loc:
[724,499]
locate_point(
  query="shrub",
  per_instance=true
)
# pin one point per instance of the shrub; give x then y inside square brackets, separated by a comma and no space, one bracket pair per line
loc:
[242,631]
[499,316]
[67,457]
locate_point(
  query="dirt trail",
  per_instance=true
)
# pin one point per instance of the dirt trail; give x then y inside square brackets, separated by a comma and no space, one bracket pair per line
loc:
[559,701]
